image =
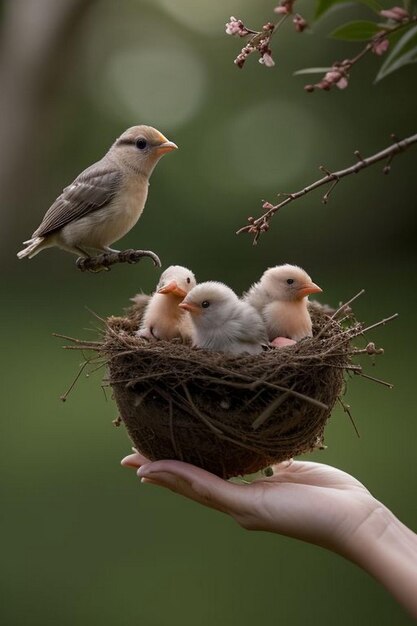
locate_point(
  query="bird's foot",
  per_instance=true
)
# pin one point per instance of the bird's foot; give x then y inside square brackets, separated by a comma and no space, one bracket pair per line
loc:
[281,342]
[90,264]
[103,261]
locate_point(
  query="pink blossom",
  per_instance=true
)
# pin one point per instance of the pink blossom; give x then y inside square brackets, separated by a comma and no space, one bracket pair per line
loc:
[299,22]
[285,7]
[236,27]
[380,46]
[267,60]
[333,76]
[342,83]
[397,14]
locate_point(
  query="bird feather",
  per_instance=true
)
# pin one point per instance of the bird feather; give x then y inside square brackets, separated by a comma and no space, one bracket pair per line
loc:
[93,189]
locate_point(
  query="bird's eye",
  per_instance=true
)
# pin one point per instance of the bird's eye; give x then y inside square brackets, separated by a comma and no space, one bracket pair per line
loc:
[188,280]
[141,143]
[290,281]
[205,304]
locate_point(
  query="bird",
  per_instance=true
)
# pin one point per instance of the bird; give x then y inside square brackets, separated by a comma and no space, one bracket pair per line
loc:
[222,322]
[163,319]
[281,297]
[106,200]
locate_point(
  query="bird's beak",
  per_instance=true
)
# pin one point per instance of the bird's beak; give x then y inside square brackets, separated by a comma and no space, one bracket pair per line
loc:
[173,288]
[307,289]
[166,146]
[194,309]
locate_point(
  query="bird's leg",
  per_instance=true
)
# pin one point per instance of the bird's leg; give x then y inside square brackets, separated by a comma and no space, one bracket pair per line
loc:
[83,261]
[109,250]
[105,259]
[78,251]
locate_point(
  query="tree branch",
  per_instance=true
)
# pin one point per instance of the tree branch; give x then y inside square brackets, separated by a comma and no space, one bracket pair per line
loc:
[258,226]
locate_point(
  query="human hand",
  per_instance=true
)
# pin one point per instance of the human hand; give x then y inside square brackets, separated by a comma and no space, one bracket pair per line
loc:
[308,501]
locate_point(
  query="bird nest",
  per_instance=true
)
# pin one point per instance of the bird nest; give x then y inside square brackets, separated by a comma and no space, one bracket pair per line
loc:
[231,415]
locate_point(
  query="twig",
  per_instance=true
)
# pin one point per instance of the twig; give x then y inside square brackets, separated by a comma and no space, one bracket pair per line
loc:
[270,409]
[346,409]
[381,323]
[340,71]
[375,380]
[83,344]
[103,261]
[341,308]
[72,385]
[261,224]
[199,414]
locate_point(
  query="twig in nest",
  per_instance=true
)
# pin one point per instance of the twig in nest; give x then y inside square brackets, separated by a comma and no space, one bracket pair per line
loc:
[260,225]
[375,380]
[103,261]
[64,396]
[346,409]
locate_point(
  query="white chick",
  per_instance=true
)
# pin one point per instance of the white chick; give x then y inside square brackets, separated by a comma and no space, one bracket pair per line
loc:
[281,297]
[163,319]
[222,322]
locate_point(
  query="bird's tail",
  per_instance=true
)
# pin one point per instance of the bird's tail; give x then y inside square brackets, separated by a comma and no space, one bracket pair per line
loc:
[34,246]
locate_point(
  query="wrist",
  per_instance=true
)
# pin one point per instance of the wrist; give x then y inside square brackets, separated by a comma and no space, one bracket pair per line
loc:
[387,550]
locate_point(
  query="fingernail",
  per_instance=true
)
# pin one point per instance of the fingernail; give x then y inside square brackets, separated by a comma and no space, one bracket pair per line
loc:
[143,471]
[126,462]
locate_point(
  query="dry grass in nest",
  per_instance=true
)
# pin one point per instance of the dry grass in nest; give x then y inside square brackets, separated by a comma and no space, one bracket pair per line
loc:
[231,415]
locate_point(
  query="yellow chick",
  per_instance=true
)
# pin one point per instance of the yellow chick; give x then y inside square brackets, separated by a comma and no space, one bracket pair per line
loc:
[106,200]
[281,297]
[163,318]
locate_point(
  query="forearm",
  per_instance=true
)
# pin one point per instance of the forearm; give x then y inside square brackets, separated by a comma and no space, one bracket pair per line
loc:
[387,550]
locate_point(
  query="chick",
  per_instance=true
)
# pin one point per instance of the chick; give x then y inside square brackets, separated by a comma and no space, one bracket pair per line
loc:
[106,200]
[163,319]
[222,322]
[281,298]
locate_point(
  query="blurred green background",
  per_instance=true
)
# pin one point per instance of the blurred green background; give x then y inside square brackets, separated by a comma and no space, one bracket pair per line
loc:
[82,541]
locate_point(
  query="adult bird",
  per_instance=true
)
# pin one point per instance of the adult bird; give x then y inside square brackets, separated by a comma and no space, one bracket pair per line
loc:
[106,200]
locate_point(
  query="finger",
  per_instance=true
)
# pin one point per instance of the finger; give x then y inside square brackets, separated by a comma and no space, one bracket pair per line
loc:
[134,460]
[312,473]
[198,485]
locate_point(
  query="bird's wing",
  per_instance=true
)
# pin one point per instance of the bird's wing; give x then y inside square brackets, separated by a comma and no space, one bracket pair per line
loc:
[256,296]
[250,328]
[91,190]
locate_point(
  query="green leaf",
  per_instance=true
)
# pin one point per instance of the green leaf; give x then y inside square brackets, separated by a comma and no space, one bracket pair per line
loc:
[312,70]
[356,31]
[403,53]
[322,6]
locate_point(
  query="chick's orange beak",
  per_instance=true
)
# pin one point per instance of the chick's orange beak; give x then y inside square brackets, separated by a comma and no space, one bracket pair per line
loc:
[173,288]
[166,146]
[194,309]
[307,289]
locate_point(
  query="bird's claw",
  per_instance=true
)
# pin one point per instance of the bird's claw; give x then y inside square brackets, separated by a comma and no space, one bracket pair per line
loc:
[103,261]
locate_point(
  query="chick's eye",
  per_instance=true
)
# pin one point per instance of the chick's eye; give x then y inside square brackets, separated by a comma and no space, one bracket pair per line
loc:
[141,143]
[290,281]
[205,304]
[188,280]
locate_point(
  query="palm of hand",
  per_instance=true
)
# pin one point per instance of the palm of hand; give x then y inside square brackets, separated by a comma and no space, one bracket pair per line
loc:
[309,501]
